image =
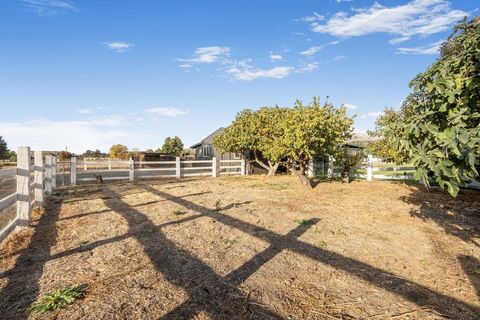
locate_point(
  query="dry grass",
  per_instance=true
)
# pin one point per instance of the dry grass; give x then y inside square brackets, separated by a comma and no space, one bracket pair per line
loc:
[249,247]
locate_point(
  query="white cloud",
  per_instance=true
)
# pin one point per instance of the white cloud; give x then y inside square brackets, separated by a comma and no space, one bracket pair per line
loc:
[275,57]
[169,112]
[313,18]
[249,73]
[340,1]
[78,136]
[398,40]
[313,50]
[339,57]
[85,111]
[118,46]
[350,106]
[49,7]
[433,48]
[374,114]
[309,67]
[417,17]
[207,55]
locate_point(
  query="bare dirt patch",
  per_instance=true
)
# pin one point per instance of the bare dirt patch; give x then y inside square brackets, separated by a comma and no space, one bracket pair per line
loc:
[249,248]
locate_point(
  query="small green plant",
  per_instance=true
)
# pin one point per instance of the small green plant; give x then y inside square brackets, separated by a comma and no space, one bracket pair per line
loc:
[229,242]
[82,243]
[338,232]
[476,271]
[218,205]
[60,298]
[179,212]
[425,263]
[305,222]
[321,244]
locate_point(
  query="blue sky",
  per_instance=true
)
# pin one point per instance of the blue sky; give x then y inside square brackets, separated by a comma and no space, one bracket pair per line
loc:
[85,74]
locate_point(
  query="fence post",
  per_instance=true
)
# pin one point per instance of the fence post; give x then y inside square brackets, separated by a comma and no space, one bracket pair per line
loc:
[214,167]
[370,168]
[242,169]
[24,181]
[109,164]
[38,167]
[73,171]
[48,174]
[330,167]
[54,172]
[131,169]
[178,168]
[84,164]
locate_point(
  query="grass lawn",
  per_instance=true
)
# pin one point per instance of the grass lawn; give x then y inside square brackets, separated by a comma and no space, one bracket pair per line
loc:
[248,248]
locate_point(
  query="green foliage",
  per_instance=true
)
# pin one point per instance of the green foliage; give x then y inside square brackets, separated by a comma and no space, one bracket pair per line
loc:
[305,222]
[289,136]
[256,132]
[439,123]
[347,159]
[60,298]
[94,154]
[179,212]
[118,151]
[4,152]
[321,244]
[218,205]
[12,156]
[385,147]
[172,146]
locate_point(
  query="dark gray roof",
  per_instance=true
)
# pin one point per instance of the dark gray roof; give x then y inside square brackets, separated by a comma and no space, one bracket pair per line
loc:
[208,139]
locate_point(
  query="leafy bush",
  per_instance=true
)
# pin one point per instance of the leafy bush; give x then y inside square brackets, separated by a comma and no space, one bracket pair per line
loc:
[60,298]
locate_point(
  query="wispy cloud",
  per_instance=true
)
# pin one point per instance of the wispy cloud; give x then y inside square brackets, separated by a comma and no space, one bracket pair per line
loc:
[168,112]
[313,18]
[49,7]
[37,133]
[250,73]
[118,46]
[433,48]
[309,67]
[417,17]
[86,111]
[207,55]
[339,57]
[313,50]
[275,57]
[350,106]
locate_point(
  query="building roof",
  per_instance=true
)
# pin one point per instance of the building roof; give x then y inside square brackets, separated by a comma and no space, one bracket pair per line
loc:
[208,139]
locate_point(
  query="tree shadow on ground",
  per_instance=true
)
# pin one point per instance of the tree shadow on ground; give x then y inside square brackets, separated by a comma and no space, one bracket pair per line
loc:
[458,216]
[471,267]
[207,291]
[23,285]
[409,290]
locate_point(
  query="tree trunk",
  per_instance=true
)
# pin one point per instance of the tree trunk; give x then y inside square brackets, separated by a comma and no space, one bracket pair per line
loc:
[273,168]
[303,179]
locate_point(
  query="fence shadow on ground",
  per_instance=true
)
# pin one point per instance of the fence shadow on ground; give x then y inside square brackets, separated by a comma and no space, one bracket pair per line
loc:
[23,279]
[471,267]
[409,290]
[207,291]
[459,216]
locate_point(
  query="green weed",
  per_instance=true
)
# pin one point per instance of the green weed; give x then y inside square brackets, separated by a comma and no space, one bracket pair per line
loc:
[305,222]
[60,298]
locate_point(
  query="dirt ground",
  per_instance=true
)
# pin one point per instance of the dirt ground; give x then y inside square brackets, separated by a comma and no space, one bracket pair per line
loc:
[249,248]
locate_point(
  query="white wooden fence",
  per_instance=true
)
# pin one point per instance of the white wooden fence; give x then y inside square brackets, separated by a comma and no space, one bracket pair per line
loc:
[36,181]
[73,172]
